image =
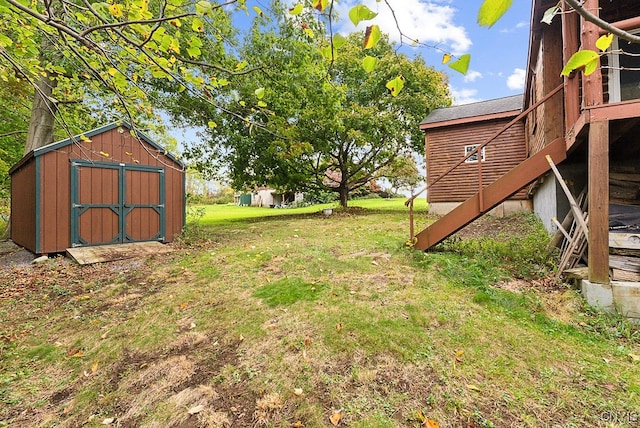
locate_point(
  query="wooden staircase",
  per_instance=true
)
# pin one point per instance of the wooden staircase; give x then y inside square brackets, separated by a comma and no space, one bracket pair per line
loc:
[492,195]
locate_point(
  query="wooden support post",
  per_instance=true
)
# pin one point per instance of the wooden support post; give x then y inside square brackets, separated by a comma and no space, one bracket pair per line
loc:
[599,202]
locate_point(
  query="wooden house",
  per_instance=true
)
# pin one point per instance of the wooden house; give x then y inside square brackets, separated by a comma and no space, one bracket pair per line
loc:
[110,185]
[452,132]
[585,129]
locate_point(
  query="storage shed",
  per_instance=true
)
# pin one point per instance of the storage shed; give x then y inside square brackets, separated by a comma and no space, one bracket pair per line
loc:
[453,132]
[107,186]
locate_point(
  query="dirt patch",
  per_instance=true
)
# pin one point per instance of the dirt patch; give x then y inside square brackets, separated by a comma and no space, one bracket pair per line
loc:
[494,227]
[12,256]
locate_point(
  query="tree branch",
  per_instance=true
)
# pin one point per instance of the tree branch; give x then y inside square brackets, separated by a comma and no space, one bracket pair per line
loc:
[590,17]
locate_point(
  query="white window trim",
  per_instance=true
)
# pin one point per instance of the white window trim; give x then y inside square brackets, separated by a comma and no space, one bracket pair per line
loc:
[614,68]
[470,148]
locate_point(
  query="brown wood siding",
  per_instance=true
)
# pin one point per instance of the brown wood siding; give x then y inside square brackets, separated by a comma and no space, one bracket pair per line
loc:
[110,146]
[546,123]
[23,206]
[445,147]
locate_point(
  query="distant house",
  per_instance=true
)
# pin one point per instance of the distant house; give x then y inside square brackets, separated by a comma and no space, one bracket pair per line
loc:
[452,132]
[268,197]
[107,186]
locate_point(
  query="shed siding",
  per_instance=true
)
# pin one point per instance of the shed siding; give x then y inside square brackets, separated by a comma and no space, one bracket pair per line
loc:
[23,207]
[445,147]
[96,184]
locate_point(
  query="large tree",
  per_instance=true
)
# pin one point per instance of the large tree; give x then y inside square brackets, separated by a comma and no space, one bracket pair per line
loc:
[323,120]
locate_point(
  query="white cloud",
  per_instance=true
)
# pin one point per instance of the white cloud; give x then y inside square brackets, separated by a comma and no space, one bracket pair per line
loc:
[427,21]
[516,80]
[518,26]
[472,76]
[464,96]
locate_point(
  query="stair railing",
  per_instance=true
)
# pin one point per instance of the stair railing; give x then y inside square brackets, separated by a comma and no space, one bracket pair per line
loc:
[478,151]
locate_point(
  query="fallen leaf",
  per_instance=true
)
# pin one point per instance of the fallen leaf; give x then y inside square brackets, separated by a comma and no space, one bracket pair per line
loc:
[339,327]
[183,305]
[192,326]
[634,357]
[307,341]
[298,391]
[78,354]
[609,387]
[94,367]
[108,421]
[430,423]
[195,409]
[296,424]
[336,418]
[474,388]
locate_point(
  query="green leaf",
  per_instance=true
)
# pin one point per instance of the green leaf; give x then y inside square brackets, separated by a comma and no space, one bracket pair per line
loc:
[5,42]
[584,58]
[262,104]
[309,32]
[491,11]
[259,11]
[369,63]
[395,85]
[259,93]
[604,42]
[241,65]
[197,25]
[549,14]
[461,65]
[194,51]
[371,36]
[328,53]
[212,124]
[360,13]
[338,41]
[297,9]
[203,8]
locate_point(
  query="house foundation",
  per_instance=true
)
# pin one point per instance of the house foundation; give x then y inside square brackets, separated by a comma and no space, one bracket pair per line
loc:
[616,297]
[505,209]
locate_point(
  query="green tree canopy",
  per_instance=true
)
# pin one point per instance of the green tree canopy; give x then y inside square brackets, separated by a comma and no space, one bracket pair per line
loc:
[315,124]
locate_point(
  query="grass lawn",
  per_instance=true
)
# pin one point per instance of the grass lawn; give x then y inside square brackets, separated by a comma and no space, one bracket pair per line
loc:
[313,321]
[215,214]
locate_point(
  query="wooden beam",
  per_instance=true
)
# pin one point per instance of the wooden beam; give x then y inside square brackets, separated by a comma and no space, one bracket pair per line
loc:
[571,83]
[598,167]
[592,84]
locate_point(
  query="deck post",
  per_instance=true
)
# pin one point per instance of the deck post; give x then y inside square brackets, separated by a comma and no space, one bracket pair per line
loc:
[598,170]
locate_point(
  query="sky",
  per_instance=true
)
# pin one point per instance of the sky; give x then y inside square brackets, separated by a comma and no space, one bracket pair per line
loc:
[498,54]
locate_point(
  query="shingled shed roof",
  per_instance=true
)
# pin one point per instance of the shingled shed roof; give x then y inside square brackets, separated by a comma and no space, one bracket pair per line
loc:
[483,110]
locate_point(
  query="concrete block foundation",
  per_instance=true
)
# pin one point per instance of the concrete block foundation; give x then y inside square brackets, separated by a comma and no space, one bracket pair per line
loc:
[618,297]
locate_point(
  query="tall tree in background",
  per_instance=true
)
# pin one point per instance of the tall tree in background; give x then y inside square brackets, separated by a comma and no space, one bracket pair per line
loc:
[324,125]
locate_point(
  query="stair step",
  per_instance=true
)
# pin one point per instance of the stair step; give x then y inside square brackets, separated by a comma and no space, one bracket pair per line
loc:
[526,172]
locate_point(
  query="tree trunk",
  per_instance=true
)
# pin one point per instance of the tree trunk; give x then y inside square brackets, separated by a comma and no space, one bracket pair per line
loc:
[43,115]
[344,193]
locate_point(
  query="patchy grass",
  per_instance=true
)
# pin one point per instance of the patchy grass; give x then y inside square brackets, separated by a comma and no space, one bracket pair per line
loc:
[268,322]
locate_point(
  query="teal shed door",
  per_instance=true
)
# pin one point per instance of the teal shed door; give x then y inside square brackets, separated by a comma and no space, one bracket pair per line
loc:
[116,203]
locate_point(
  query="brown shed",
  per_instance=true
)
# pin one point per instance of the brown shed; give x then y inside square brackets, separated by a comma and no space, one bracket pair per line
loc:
[453,132]
[110,185]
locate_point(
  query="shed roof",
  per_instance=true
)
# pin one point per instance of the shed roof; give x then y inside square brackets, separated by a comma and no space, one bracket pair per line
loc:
[62,143]
[483,110]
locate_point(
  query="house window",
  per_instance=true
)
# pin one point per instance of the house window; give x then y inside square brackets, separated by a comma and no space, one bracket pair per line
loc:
[624,70]
[473,158]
